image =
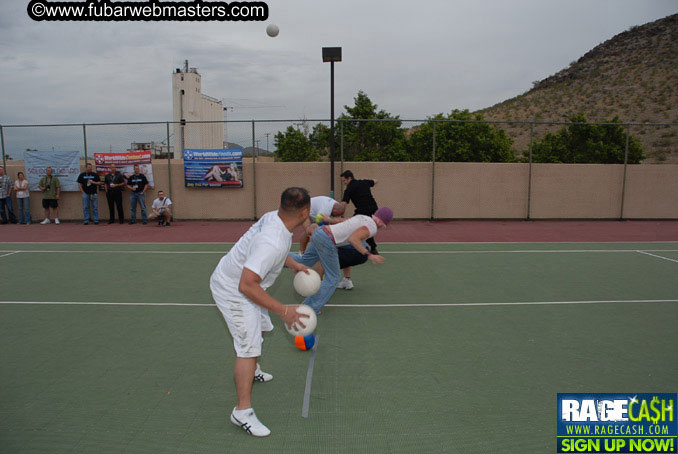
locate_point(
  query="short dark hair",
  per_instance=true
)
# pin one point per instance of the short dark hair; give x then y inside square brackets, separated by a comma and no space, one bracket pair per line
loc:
[347,174]
[294,199]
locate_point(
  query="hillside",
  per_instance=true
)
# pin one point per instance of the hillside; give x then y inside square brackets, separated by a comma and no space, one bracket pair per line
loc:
[633,75]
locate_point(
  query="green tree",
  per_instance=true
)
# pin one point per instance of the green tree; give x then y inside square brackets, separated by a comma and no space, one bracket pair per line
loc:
[371,140]
[588,143]
[293,145]
[458,141]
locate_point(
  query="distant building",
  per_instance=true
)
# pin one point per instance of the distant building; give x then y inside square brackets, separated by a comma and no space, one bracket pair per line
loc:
[158,150]
[190,104]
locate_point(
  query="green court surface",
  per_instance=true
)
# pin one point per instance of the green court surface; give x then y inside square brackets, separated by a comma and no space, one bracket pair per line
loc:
[443,348]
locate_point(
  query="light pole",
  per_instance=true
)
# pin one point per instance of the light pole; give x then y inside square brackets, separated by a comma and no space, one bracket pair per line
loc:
[331,54]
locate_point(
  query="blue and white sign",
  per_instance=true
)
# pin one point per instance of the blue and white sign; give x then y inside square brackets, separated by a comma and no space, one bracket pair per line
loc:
[65,166]
[220,168]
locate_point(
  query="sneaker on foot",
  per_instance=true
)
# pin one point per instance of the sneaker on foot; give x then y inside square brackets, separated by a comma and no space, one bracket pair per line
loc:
[345,283]
[46,221]
[56,221]
[160,223]
[261,376]
[167,224]
[249,422]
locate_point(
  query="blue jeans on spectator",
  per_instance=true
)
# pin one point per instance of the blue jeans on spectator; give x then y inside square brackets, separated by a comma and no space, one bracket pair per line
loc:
[7,202]
[141,199]
[94,200]
[24,209]
[321,247]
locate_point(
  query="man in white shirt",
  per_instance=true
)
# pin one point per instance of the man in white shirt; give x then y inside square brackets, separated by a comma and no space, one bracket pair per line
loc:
[323,247]
[162,209]
[239,285]
[325,207]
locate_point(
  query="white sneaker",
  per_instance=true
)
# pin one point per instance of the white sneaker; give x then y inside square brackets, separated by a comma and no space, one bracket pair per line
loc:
[345,283]
[261,376]
[249,422]
[56,221]
[46,221]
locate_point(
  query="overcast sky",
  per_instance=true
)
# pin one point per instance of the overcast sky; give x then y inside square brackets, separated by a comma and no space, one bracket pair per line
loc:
[413,59]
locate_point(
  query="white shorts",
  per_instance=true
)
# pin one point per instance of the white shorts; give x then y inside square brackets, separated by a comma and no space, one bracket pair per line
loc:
[245,321]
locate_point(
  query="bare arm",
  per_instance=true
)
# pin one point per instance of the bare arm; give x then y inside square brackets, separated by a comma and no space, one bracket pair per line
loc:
[357,238]
[249,286]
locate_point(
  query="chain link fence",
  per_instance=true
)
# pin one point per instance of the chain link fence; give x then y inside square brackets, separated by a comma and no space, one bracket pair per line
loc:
[428,169]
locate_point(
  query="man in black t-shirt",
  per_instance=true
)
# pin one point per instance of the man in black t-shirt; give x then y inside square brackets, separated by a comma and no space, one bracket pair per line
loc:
[138,184]
[359,192]
[114,185]
[89,183]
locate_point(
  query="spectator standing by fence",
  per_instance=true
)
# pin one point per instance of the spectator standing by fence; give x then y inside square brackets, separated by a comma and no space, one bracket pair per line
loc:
[51,189]
[138,184]
[22,198]
[6,188]
[114,185]
[89,183]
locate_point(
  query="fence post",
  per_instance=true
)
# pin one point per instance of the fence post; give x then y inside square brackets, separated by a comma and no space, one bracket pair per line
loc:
[2,140]
[254,175]
[169,164]
[626,160]
[84,138]
[433,173]
[529,178]
[341,148]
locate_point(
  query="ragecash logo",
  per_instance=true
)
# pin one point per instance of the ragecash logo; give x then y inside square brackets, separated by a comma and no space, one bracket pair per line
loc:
[619,423]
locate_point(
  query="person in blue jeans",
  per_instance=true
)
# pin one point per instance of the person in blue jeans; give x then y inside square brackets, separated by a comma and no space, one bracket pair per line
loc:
[323,247]
[138,184]
[89,183]
[6,188]
[22,198]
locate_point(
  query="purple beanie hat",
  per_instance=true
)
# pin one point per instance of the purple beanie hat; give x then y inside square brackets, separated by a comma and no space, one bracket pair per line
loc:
[385,214]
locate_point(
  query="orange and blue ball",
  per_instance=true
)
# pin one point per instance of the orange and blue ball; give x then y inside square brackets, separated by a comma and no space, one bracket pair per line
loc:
[304,342]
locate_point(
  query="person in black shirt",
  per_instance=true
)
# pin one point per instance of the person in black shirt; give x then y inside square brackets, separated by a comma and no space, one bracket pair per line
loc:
[359,192]
[89,183]
[138,184]
[114,185]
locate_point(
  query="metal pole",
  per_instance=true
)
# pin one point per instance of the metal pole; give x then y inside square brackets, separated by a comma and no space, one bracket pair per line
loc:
[529,178]
[626,160]
[2,140]
[433,172]
[341,148]
[84,138]
[254,175]
[332,129]
[169,164]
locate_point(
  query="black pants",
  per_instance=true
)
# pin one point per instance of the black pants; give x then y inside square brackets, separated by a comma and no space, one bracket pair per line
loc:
[370,241]
[114,197]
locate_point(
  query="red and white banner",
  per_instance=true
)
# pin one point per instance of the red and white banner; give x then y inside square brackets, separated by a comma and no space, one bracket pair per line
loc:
[125,162]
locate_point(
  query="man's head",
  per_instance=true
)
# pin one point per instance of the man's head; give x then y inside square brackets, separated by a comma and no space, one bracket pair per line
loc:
[346,177]
[48,171]
[338,209]
[161,194]
[383,216]
[295,204]
[88,167]
[136,169]
[112,168]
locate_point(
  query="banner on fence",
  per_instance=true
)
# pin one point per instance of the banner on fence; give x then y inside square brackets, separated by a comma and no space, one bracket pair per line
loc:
[125,162]
[213,168]
[65,166]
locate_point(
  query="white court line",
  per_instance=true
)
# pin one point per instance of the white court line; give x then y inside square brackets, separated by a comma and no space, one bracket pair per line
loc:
[516,303]
[517,251]
[11,253]
[309,379]
[659,256]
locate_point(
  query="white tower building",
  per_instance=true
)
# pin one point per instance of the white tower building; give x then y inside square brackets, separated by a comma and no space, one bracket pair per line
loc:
[190,104]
